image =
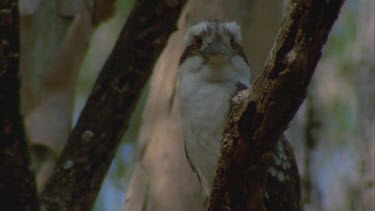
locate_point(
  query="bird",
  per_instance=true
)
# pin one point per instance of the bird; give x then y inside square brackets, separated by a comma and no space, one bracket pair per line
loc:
[212,69]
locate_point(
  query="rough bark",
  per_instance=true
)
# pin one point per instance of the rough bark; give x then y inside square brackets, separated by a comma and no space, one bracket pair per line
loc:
[91,146]
[17,186]
[160,157]
[259,115]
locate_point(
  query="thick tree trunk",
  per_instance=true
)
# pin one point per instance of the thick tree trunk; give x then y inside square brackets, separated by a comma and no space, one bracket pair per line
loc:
[17,187]
[260,115]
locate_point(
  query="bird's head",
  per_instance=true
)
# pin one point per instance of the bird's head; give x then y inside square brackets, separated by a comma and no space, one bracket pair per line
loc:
[214,41]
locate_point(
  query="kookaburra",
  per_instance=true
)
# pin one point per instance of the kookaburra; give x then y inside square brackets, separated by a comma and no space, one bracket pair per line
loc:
[212,69]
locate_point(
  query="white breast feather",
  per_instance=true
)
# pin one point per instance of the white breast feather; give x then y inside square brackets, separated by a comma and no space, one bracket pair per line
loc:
[205,94]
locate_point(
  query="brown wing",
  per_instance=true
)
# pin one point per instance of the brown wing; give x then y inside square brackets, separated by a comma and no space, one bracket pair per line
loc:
[189,161]
[283,191]
[238,49]
[191,164]
[189,51]
[240,87]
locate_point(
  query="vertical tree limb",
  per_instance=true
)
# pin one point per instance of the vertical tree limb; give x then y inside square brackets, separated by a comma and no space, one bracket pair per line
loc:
[17,186]
[364,67]
[259,115]
[311,131]
[91,146]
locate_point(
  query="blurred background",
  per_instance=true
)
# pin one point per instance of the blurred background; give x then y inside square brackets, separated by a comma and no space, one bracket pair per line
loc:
[332,133]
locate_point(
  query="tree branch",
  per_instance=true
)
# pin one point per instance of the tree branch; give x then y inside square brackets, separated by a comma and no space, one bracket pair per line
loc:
[260,115]
[17,185]
[91,145]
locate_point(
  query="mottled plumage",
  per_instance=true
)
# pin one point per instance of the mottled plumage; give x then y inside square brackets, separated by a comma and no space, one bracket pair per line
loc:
[213,68]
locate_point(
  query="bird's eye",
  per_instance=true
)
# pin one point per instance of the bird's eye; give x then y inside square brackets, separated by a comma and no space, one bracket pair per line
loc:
[232,41]
[198,41]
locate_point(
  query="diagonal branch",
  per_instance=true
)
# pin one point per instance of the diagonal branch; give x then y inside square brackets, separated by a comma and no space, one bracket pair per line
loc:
[260,115]
[87,155]
[17,186]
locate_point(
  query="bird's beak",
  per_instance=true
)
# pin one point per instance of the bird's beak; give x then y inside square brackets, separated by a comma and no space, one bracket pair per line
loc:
[217,47]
